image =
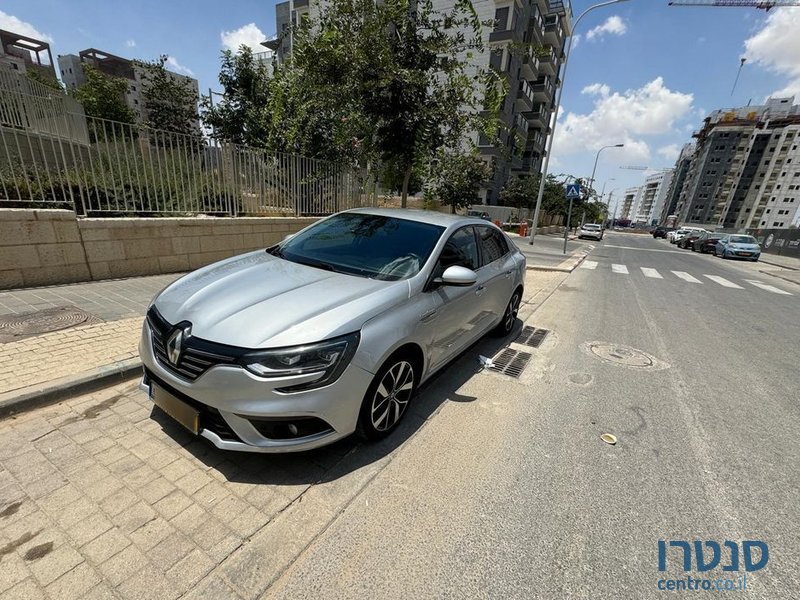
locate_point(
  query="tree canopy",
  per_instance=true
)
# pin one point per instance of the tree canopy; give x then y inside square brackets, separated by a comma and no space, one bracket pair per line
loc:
[242,114]
[103,96]
[169,101]
[386,82]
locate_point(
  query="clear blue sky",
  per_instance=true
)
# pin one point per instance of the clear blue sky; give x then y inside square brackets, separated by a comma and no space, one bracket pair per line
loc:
[642,73]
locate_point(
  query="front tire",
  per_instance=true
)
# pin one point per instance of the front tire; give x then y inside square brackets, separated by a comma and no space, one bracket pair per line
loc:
[506,325]
[387,398]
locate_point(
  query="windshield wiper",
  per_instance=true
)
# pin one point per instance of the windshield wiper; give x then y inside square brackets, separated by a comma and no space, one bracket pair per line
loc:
[317,265]
[276,251]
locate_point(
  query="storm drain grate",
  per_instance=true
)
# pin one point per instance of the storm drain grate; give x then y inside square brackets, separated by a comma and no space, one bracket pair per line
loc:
[530,336]
[510,362]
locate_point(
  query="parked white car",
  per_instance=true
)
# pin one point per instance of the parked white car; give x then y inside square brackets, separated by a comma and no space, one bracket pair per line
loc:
[673,237]
[591,230]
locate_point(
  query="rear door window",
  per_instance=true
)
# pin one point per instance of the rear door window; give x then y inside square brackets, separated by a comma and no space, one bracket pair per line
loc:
[493,245]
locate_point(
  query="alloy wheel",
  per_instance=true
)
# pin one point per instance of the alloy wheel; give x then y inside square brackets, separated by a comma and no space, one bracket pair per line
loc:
[511,313]
[392,395]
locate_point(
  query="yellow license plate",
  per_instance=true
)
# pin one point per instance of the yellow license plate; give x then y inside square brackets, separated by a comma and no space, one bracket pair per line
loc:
[175,408]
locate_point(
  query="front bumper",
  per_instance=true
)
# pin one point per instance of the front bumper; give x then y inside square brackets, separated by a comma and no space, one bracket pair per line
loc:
[241,399]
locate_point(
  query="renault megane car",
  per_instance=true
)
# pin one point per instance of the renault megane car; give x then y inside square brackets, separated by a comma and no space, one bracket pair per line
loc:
[330,331]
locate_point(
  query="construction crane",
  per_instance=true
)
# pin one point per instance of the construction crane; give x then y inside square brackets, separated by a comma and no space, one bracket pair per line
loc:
[760,4]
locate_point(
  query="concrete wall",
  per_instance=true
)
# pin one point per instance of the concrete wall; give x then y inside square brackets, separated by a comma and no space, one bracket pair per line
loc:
[45,247]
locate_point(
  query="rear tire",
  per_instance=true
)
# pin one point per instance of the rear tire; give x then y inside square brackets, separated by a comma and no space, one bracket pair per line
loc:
[506,325]
[388,396]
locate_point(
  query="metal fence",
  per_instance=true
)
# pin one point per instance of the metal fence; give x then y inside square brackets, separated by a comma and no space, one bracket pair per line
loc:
[107,168]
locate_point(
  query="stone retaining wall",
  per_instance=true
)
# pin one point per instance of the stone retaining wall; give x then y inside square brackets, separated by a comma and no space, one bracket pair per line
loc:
[46,247]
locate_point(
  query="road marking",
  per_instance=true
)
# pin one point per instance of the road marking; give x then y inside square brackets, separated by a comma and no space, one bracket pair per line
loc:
[724,282]
[645,249]
[686,277]
[768,287]
[622,269]
[589,264]
[651,273]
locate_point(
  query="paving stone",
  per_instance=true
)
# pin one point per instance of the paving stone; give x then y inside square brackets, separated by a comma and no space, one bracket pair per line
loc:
[156,489]
[212,588]
[118,501]
[172,504]
[74,584]
[148,584]
[54,564]
[89,528]
[190,569]
[105,546]
[152,533]
[166,553]
[24,590]
[12,571]
[123,565]
[133,517]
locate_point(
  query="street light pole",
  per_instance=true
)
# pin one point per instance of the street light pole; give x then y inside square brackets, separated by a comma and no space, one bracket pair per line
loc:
[555,113]
[597,158]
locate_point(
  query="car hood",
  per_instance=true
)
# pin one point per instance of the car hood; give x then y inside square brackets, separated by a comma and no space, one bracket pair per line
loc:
[750,247]
[260,301]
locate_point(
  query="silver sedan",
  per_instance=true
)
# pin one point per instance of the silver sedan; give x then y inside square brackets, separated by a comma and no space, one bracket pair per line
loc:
[329,332]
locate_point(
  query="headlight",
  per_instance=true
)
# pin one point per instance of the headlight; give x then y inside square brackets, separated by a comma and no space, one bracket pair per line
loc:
[328,359]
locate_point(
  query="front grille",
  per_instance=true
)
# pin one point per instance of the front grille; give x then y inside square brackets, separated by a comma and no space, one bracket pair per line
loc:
[197,355]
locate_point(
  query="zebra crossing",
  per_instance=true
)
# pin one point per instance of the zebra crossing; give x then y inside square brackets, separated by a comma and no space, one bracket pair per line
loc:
[650,273]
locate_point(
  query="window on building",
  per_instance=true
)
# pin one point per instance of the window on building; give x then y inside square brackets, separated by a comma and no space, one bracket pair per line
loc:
[763,222]
[501,18]
[135,101]
[767,211]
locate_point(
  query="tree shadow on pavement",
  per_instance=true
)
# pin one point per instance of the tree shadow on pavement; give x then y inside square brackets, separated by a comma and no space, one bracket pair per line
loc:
[345,456]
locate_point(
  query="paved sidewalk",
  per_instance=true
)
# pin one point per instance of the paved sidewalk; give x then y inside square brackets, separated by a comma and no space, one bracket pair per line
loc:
[547,252]
[29,364]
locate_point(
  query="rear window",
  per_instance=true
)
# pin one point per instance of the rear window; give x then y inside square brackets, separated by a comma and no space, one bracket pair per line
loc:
[743,239]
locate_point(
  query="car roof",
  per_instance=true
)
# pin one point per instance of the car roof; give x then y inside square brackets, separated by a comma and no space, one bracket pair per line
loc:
[422,216]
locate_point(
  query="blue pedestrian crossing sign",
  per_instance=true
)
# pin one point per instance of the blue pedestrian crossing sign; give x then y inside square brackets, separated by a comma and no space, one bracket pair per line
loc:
[573,191]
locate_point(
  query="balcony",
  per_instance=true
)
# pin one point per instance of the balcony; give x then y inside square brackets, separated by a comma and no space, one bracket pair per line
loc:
[542,90]
[300,4]
[502,37]
[548,61]
[536,26]
[537,118]
[535,141]
[524,96]
[553,32]
[530,67]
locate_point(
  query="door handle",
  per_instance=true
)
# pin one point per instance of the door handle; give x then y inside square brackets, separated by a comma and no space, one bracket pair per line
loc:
[479,289]
[509,272]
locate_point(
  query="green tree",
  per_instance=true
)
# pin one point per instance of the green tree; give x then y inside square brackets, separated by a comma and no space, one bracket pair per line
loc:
[387,82]
[103,96]
[456,179]
[520,192]
[169,101]
[242,115]
[44,79]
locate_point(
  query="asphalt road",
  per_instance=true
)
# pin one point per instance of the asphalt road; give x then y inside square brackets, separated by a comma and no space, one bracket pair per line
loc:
[508,491]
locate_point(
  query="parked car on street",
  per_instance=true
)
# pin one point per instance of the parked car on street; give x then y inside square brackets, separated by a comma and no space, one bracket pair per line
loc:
[688,239]
[661,231]
[676,235]
[479,214]
[707,242]
[738,246]
[590,230]
[330,331]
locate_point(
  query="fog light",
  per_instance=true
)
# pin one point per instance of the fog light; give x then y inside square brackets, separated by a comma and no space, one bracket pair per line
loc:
[292,428]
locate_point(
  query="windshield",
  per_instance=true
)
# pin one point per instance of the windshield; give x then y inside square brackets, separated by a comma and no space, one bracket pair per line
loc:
[592,227]
[743,239]
[367,245]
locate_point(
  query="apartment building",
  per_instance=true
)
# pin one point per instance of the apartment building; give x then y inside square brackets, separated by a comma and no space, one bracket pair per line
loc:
[22,54]
[745,172]
[652,197]
[630,203]
[680,172]
[541,26]
[72,74]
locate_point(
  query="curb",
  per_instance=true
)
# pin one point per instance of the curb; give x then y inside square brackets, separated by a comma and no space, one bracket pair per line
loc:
[761,258]
[50,392]
[567,266]
[781,277]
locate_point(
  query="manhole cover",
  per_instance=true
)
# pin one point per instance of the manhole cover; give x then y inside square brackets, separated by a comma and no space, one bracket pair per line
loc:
[531,336]
[622,355]
[510,362]
[16,327]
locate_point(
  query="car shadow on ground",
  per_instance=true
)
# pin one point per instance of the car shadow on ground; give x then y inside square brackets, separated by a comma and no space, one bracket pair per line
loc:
[348,455]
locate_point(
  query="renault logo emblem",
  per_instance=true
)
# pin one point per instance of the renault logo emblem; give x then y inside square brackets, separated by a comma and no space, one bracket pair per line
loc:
[175,344]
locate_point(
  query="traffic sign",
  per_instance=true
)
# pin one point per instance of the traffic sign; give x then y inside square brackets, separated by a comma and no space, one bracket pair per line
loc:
[573,191]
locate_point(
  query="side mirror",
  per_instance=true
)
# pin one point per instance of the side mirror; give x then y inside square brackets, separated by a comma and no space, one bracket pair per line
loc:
[458,277]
